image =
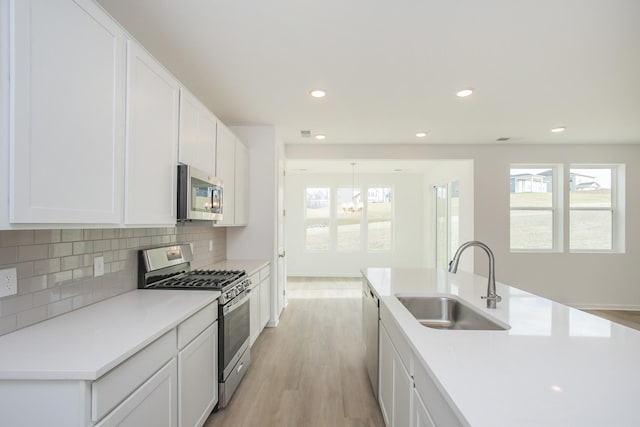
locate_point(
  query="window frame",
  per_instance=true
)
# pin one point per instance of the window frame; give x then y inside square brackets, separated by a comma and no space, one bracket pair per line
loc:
[555,209]
[616,208]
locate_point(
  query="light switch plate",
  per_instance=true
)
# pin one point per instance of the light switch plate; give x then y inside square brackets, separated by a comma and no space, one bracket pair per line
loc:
[8,282]
[98,266]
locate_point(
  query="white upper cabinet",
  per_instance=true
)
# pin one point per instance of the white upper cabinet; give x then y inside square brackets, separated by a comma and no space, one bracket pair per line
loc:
[225,170]
[232,166]
[197,134]
[241,185]
[151,140]
[67,92]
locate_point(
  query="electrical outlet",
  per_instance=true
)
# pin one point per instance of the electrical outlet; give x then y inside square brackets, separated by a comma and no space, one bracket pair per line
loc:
[210,245]
[8,282]
[98,266]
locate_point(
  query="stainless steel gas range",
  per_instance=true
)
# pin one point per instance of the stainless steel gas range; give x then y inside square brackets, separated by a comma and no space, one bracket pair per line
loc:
[169,267]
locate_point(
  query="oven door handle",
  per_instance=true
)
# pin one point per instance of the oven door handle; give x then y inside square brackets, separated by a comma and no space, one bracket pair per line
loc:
[235,304]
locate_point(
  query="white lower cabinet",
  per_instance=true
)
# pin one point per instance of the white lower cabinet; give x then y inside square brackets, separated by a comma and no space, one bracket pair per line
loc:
[420,416]
[407,393]
[171,382]
[260,303]
[265,288]
[396,385]
[152,404]
[197,371]
[254,309]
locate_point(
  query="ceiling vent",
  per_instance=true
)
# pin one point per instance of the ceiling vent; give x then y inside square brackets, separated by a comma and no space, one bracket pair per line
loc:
[503,139]
[305,133]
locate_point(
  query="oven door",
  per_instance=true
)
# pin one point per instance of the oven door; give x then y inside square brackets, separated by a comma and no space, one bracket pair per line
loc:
[234,333]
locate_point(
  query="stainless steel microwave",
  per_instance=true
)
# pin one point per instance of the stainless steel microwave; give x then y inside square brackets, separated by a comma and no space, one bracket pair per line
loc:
[200,195]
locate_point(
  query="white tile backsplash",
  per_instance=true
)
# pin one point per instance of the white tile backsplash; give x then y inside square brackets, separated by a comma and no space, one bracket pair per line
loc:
[55,267]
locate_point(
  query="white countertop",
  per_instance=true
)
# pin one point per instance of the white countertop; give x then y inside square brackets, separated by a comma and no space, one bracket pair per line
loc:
[249,265]
[86,343]
[556,366]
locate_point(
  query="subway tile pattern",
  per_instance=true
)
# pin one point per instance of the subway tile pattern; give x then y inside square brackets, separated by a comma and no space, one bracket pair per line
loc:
[55,267]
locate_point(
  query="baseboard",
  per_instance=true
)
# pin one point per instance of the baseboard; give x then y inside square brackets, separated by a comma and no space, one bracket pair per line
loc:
[621,307]
[273,323]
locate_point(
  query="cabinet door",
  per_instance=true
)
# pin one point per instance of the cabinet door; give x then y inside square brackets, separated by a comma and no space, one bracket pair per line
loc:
[402,393]
[152,404]
[385,379]
[254,313]
[241,185]
[151,142]
[395,384]
[265,306]
[225,170]
[198,378]
[197,141]
[67,92]
[421,417]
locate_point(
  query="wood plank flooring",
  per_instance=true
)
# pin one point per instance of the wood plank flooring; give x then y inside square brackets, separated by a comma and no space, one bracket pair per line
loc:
[309,371]
[624,317]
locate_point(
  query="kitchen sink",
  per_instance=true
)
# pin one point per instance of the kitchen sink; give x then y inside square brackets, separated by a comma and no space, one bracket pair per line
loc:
[448,312]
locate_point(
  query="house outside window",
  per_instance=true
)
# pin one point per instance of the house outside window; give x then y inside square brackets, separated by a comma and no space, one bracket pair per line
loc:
[585,200]
[533,208]
[594,208]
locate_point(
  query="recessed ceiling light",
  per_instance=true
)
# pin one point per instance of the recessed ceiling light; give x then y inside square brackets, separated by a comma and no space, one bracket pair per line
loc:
[558,129]
[464,93]
[318,93]
[421,134]
[320,136]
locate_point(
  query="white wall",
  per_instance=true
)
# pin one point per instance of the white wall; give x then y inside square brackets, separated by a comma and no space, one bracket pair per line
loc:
[258,240]
[407,223]
[586,280]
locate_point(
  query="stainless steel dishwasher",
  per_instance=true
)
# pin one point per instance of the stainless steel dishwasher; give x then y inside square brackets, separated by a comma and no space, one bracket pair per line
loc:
[370,318]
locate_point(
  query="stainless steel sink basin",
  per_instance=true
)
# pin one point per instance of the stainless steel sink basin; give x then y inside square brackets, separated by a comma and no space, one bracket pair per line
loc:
[444,312]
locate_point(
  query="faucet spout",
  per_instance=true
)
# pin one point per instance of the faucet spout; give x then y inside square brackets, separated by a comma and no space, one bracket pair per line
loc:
[492,297]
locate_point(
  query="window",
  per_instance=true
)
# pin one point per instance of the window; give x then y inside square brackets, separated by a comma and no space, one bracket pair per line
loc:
[379,216]
[533,207]
[590,219]
[348,219]
[338,224]
[592,208]
[317,219]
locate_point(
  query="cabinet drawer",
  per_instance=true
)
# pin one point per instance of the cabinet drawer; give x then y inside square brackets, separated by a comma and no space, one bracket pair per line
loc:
[255,279]
[191,328]
[265,272]
[152,404]
[437,406]
[113,387]
[397,337]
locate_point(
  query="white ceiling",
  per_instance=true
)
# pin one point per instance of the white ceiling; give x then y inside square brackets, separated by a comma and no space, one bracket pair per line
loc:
[391,68]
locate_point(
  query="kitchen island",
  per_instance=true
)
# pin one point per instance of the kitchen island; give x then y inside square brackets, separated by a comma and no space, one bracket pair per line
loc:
[554,366]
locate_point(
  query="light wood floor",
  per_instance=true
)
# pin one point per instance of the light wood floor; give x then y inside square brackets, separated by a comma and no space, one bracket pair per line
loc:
[309,371]
[624,317]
